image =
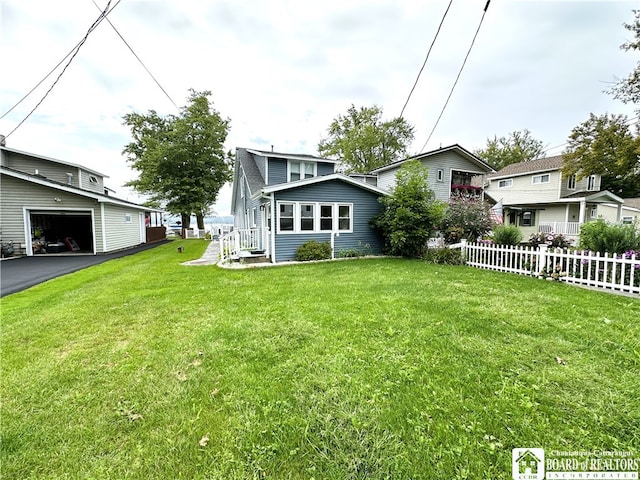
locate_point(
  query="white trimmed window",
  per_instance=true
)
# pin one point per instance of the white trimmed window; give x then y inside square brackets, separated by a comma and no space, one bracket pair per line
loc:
[594,211]
[544,178]
[93,179]
[127,218]
[299,170]
[591,183]
[254,217]
[528,218]
[440,175]
[627,220]
[571,182]
[311,217]
[505,183]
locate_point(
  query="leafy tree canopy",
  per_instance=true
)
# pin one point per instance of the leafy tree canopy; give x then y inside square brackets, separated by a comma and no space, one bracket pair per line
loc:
[628,89]
[180,158]
[362,141]
[605,145]
[518,146]
[409,215]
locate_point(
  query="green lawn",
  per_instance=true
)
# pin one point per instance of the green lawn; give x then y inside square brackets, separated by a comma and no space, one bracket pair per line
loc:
[377,368]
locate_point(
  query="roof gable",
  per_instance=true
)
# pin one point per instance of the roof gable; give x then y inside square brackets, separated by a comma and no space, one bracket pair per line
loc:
[426,155]
[326,178]
[53,160]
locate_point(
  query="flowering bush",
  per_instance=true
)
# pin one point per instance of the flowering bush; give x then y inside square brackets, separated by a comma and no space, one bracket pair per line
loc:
[465,217]
[556,240]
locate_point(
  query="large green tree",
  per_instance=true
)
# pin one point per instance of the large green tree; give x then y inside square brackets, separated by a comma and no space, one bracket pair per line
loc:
[180,158]
[362,141]
[518,146]
[605,145]
[628,89]
[409,215]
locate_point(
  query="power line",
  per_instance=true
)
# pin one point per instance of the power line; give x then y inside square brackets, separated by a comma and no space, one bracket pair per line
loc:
[628,122]
[52,70]
[101,17]
[139,60]
[459,73]
[426,58]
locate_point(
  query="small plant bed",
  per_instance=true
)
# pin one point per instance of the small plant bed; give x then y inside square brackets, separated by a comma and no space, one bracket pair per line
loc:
[382,368]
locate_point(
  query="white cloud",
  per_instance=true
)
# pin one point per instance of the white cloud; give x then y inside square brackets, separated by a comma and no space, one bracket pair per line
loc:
[282,70]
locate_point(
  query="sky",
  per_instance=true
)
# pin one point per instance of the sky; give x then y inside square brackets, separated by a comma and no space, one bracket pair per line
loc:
[282,70]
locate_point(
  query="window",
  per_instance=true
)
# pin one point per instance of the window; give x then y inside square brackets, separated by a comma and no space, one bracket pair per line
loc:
[627,220]
[93,179]
[505,183]
[440,175]
[541,178]
[301,170]
[326,217]
[254,216]
[594,212]
[286,217]
[306,217]
[571,182]
[127,218]
[344,217]
[528,218]
[591,183]
[298,217]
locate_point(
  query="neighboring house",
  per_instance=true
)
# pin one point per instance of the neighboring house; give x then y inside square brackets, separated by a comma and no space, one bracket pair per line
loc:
[281,200]
[537,198]
[452,171]
[53,206]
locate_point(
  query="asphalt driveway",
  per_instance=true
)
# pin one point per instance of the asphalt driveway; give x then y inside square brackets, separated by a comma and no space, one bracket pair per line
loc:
[18,274]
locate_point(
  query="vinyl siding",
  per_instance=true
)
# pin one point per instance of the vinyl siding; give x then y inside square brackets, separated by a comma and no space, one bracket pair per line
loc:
[365,205]
[446,161]
[277,171]
[121,234]
[523,191]
[581,186]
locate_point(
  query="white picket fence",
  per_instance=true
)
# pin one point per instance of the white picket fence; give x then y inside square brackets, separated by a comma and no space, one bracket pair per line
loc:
[619,272]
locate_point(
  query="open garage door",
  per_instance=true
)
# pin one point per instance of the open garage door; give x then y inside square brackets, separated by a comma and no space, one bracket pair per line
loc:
[69,232]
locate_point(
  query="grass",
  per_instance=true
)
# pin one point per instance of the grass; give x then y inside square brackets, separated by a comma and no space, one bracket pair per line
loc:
[377,368]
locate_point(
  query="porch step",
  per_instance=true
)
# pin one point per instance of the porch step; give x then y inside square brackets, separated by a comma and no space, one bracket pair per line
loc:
[255,259]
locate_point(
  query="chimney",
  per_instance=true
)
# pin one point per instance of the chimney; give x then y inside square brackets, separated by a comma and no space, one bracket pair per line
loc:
[272,148]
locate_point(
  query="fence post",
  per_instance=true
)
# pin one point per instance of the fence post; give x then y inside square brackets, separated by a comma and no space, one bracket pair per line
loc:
[542,258]
[463,249]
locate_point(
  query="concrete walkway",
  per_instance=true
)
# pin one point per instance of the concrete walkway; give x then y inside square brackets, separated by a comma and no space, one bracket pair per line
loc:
[211,255]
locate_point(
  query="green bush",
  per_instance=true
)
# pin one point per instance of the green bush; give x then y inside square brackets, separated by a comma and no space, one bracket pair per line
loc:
[444,256]
[506,235]
[601,236]
[409,215]
[313,250]
[554,240]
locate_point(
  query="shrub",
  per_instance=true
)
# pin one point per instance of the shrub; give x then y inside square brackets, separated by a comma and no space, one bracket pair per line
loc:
[408,216]
[361,251]
[601,236]
[465,218]
[554,240]
[506,235]
[313,250]
[444,256]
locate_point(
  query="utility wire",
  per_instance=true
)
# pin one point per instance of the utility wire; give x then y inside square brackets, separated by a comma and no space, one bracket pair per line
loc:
[53,69]
[628,122]
[426,58]
[101,17]
[458,77]
[138,58]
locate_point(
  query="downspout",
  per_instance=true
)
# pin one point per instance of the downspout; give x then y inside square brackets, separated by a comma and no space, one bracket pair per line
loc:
[273,227]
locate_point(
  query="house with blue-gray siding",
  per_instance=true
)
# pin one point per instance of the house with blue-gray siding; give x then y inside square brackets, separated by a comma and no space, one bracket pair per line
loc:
[281,200]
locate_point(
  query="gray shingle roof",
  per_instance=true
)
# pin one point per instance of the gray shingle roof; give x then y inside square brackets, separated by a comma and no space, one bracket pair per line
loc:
[255,180]
[540,165]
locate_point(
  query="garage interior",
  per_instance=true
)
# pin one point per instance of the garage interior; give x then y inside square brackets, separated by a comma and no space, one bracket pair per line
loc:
[61,232]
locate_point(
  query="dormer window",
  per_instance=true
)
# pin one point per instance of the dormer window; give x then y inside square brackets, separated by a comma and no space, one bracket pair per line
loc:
[93,179]
[299,170]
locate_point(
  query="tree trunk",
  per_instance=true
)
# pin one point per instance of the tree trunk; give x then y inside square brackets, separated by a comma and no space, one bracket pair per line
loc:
[186,222]
[200,220]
